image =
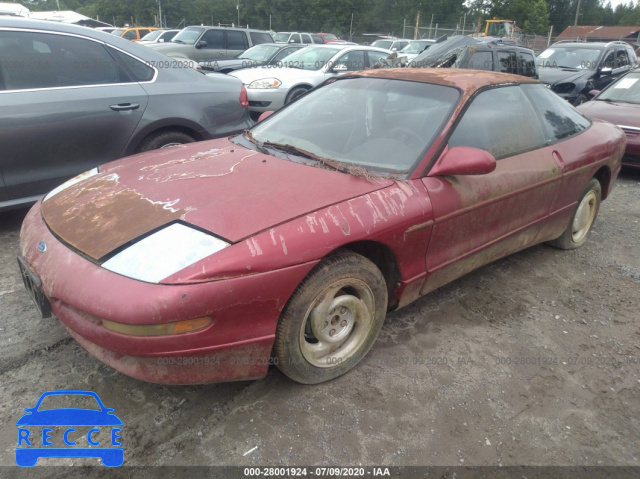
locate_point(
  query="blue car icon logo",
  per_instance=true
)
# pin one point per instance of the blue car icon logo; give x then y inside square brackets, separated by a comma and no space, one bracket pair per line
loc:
[77,426]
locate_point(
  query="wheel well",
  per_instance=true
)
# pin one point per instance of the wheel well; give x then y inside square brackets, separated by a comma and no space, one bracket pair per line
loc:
[182,129]
[603,175]
[382,256]
[304,87]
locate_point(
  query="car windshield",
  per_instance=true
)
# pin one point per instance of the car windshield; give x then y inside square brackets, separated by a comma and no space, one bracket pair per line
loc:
[386,44]
[415,47]
[626,90]
[380,124]
[281,37]
[310,58]
[569,57]
[259,53]
[329,36]
[152,35]
[118,32]
[188,36]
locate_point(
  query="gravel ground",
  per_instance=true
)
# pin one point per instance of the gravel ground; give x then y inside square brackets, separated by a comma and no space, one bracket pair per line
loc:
[532,360]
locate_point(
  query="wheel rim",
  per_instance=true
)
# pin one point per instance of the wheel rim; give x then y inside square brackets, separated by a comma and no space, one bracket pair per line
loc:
[337,323]
[585,214]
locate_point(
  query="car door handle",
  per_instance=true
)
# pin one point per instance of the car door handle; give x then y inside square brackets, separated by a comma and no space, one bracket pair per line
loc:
[125,106]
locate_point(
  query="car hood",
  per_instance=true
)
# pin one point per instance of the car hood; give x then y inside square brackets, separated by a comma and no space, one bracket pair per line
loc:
[617,113]
[217,65]
[284,74]
[216,185]
[170,48]
[551,76]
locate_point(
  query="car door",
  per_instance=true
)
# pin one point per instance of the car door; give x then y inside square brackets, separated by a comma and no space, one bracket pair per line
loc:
[285,52]
[235,42]
[214,48]
[67,106]
[479,218]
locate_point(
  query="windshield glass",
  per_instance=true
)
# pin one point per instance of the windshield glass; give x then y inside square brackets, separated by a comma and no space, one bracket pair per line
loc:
[281,37]
[381,124]
[118,32]
[627,90]
[329,36]
[415,47]
[310,58]
[569,57]
[259,53]
[188,36]
[152,35]
[386,44]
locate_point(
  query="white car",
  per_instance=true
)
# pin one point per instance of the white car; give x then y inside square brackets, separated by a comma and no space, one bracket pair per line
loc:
[415,48]
[271,87]
[158,36]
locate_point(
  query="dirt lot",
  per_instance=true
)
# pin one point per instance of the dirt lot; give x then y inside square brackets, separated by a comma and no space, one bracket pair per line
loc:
[532,360]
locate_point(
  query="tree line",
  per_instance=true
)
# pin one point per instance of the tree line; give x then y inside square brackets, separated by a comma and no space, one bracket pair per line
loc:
[343,17]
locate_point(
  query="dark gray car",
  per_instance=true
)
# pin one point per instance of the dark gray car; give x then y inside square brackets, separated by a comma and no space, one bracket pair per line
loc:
[72,98]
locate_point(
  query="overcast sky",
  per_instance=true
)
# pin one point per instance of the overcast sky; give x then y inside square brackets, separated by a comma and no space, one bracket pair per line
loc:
[614,3]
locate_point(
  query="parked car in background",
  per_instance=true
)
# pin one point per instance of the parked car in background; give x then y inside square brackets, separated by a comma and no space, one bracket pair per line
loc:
[395,44]
[573,69]
[106,29]
[461,51]
[159,36]
[328,37]
[295,37]
[134,34]
[289,243]
[72,98]
[211,43]
[270,88]
[264,54]
[415,48]
[619,104]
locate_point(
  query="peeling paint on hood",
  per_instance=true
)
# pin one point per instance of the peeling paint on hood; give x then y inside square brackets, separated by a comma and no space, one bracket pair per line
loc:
[217,186]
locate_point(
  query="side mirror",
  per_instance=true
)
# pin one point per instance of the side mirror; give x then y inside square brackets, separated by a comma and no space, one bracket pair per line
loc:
[340,67]
[292,40]
[201,44]
[463,160]
[264,115]
[606,71]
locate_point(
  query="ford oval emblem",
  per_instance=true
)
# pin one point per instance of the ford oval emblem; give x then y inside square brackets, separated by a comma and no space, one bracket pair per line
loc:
[42,246]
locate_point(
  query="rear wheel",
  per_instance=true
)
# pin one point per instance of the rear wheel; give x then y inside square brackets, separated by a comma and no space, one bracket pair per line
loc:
[332,319]
[583,218]
[164,139]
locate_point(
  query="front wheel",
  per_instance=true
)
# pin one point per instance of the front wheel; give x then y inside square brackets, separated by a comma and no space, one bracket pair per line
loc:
[583,218]
[164,139]
[295,94]
[332,319]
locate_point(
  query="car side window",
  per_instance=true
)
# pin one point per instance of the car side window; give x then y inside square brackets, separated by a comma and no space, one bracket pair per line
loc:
[507,62]
[134,68]
[608,61]
[513,126]
[481,61]
[283,53]
[236,40]
[58,61]
[257,38]
[622,59]
[214,39]
[560,120]
[526,64]
[317,39]
[306,39]
[143,32]
[376,58]
[130,35]
[353,60]
[295,38]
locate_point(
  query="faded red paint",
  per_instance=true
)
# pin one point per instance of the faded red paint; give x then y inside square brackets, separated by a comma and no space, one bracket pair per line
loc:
[282,218]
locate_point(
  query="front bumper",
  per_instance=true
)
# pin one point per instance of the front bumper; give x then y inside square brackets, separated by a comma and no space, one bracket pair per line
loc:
[235,346]
[273,99]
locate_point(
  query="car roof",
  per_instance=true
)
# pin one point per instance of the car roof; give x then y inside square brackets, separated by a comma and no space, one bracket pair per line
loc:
[469,81]
[580,44]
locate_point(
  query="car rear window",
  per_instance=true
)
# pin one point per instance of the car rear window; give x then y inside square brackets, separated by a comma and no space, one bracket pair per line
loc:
[259,37]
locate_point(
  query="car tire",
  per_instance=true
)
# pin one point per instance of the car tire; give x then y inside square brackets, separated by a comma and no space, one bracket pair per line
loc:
[332,319]
[164,139]
[580,100]
[582,219]
[295,94]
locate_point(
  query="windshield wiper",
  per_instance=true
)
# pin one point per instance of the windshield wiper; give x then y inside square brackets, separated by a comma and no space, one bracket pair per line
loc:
[569,68]
[287,148]
[249,136]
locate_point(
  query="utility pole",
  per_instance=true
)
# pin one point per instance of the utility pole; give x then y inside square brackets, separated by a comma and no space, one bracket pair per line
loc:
[404,28]
[58,3]
[575,23]
[238,8]
[417,29]
[351,28]
[160,13]
[464,23]
[431,25]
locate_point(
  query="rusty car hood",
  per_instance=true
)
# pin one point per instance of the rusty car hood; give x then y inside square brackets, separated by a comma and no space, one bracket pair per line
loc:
[216,185]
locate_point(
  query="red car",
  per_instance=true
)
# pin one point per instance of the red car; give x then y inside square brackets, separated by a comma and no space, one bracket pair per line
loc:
[328,37]
[288,244]
[620,105]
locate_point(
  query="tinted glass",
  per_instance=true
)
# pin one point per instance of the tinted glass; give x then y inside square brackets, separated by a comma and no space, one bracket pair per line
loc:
[236,40]
[627,90]
[507,62]
[152,35]
[258,37]
[569,57]
[135,69]
[306,39]
[130,35]
[214,39]
[526,64]
[383,124]
[560,119]
[481,61]
[142,32]
[513,126]
[353,60]
[40,60]
[623,58]
[317,39]
[168,36]
[376,58]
